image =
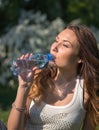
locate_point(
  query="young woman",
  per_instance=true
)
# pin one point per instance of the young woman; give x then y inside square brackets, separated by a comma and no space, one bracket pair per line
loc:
[65,94]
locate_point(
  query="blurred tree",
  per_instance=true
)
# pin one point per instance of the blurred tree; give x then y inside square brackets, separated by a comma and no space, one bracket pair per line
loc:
[9,12]
[50,7]
[68,10]
[86,10]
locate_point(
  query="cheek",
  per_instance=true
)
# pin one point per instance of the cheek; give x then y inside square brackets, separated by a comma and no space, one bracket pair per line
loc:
[67,60]
[73,59]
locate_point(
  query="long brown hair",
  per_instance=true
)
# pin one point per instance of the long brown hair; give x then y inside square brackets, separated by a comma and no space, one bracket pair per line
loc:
[89,68]
[43,80]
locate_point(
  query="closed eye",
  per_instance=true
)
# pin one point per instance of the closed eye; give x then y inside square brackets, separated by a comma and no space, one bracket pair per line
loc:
[66,44]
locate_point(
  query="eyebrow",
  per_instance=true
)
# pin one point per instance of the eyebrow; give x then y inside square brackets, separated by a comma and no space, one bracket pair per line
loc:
[65,41]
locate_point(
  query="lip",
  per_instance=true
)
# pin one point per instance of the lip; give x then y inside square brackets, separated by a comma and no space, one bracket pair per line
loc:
[54,57]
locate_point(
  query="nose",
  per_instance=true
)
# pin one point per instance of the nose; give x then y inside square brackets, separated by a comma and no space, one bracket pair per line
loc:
[56,46]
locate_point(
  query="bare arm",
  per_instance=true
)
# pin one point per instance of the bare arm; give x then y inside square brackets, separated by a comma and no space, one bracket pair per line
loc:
[16,119]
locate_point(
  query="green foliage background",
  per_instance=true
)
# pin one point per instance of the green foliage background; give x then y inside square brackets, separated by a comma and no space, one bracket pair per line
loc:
[68,10]
[7,96]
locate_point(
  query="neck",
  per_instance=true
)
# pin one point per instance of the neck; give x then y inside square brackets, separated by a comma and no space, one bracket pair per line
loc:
[65,76]
[64,83]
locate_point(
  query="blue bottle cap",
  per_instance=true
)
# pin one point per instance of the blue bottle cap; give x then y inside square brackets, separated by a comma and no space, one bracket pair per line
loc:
[50,57]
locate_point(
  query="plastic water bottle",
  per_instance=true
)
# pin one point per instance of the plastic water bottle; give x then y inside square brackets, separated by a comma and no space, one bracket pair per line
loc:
[38,59]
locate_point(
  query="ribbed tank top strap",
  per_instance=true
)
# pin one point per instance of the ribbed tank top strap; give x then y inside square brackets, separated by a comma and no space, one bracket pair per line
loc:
[80,91]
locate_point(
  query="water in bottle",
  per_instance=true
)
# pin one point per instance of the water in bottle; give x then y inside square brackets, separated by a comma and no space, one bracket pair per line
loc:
[38,59]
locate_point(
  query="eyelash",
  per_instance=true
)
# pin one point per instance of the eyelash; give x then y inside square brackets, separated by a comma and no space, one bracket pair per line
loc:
[65,45]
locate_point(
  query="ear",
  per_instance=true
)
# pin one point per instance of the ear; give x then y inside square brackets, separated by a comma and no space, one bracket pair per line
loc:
[80,61]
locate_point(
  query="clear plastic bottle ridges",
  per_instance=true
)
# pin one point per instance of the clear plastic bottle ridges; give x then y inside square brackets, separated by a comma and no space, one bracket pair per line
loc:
[38,59]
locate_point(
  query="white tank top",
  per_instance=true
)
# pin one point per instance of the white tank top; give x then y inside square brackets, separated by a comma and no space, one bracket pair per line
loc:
[67,117]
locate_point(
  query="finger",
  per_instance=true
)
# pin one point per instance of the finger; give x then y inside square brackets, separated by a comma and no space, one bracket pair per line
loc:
[24,61]
[27,60]
[27,55]
[35,68]
[28,63]
[22,57]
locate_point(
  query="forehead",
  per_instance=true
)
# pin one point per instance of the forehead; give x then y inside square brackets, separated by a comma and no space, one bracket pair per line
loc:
[69,35]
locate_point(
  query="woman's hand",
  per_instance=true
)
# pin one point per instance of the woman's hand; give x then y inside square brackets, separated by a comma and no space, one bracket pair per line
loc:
[26,76]
[17,118]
